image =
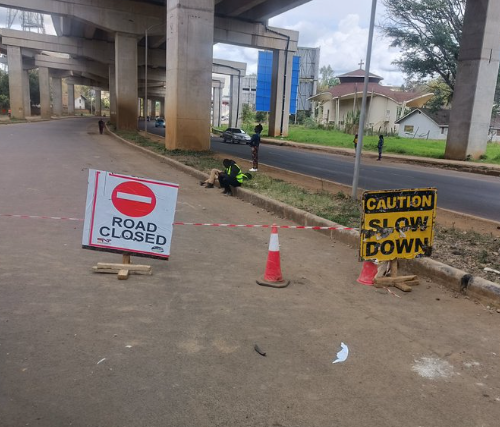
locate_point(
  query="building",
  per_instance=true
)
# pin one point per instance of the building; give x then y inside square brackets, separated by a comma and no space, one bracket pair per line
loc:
[80,103]
[249,90]
[423,123]
[308,76]
[340,105]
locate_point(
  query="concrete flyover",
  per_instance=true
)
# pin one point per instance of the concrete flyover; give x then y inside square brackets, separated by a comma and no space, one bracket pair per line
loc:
[106,40]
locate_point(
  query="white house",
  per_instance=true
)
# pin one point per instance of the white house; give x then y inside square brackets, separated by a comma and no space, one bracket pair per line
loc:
[385,105]
[422,123]
[80,103]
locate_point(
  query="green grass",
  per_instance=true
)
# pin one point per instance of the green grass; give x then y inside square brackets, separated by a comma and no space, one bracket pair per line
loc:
[393,144]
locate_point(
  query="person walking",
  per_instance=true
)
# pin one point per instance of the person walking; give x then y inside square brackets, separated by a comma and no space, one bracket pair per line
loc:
[254,143]
[380,145]
[355,142]
[101,126]
[258,128]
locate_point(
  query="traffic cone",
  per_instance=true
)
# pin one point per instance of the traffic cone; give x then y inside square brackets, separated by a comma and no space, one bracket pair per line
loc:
[272,276]
[368,273]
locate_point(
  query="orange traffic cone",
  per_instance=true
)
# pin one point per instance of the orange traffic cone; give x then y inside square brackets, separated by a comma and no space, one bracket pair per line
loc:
[368,273]
[272,276]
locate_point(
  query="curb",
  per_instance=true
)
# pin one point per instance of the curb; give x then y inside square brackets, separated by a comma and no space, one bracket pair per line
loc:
[452,278]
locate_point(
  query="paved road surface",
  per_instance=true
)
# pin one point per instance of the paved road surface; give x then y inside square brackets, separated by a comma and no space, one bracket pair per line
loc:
[177,348]
[463,192]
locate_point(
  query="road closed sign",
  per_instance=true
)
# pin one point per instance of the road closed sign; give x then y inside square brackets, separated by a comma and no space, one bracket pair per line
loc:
[126,214]
[397,224]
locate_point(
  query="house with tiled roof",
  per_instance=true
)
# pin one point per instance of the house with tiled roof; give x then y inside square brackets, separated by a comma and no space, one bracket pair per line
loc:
[385,105]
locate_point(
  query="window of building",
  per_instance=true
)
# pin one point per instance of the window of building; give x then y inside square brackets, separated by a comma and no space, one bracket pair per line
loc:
[409,128]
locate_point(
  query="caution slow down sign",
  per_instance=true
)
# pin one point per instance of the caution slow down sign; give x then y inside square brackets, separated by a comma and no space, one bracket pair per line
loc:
[126,214]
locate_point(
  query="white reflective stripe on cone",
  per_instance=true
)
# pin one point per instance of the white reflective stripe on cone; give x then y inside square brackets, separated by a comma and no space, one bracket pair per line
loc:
[274,245]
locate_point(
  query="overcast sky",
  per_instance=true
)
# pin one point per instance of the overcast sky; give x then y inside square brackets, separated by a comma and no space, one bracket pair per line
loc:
[338,27]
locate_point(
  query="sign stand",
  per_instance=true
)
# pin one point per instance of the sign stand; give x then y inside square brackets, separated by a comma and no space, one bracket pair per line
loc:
[403,283]
[122,270]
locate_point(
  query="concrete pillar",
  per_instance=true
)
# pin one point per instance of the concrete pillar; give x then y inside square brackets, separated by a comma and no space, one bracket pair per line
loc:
[57,96]
[281,86]
[234,101]
[126,81]
[26,93]
[16,94]
[71,99]
[98,108]
[149,108]
[162,107]
[476,78]
[45,110]
[112,94]
[217,104]
[190,35]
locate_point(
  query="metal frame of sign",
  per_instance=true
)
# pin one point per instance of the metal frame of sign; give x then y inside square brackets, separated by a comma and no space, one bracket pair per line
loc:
[397,224]
[137,219]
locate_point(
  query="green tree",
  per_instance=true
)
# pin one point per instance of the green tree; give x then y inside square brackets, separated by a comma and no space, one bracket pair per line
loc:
[442,94]
[248,117]
[34,87]
[327,78]
[428,34]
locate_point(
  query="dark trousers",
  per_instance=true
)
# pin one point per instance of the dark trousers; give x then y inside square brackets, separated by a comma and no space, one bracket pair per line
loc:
[255,157]
[379,152]
[227,181]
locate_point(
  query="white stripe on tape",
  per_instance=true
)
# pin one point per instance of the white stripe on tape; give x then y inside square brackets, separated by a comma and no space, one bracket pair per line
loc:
[133,197]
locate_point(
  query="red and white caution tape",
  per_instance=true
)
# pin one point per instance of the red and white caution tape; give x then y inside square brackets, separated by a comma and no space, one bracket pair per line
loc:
[42,217]
[296,227]
[293,227]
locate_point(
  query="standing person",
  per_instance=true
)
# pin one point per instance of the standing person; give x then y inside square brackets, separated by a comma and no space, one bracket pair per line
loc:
[258,128]
[380,145]
[254,143]
[232,176]
[355,142]
[101,126]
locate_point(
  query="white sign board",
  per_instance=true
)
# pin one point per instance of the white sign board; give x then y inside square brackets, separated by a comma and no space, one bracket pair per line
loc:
[126,214]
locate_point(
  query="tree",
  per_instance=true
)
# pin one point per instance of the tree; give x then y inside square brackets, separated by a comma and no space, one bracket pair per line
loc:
[327,79]
[428,33]
[247,116]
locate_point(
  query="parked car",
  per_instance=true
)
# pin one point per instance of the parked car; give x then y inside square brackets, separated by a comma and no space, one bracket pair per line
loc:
[235,136]
[159,123]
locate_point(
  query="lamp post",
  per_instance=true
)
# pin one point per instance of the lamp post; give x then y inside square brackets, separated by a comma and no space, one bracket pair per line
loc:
[146,108]
[362,116]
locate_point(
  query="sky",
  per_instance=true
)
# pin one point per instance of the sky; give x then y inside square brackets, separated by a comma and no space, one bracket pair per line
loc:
[340,28]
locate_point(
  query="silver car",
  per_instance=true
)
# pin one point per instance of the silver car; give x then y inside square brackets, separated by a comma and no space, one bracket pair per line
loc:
[235,136]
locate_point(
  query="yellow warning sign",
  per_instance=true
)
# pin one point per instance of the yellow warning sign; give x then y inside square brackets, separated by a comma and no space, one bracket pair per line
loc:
[397,224]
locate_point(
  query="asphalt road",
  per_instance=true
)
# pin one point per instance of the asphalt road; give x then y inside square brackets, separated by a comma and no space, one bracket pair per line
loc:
[459,191]
[176,349]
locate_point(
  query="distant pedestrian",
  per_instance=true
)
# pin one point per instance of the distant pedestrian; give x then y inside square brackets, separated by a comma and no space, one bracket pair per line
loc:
[380,145]
[254,143]
[258,128]
[101,126]
[355,142]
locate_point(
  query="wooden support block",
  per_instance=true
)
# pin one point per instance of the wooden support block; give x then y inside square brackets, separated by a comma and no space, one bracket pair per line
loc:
[126,259]
[116,270]
[392,280]
[412,282]
[403,286]
[131,267]
[123,275]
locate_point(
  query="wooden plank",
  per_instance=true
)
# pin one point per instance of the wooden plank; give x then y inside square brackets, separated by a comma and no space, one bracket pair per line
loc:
[126,259]
[116,270]
[403,286]
[131,267]
[412,282]
[123,275]
[392,280]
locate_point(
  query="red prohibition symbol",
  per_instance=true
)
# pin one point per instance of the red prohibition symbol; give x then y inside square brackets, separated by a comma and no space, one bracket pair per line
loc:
[133,199]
